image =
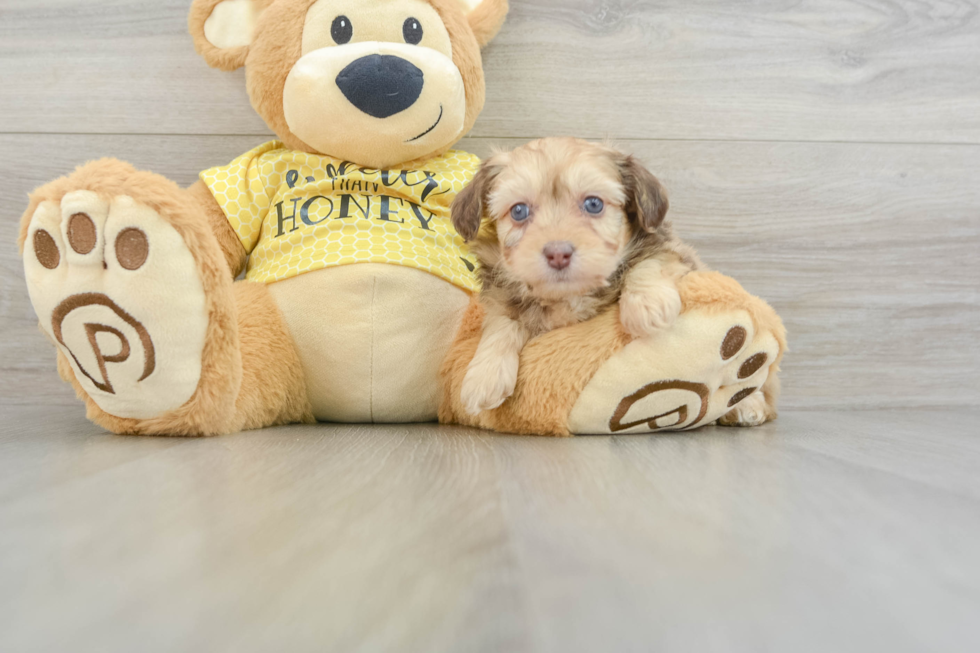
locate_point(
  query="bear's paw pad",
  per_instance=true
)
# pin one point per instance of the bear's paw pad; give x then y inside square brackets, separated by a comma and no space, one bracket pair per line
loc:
[706,368]
[117,289]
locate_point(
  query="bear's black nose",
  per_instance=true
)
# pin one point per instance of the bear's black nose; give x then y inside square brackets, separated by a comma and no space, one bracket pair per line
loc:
[381,85]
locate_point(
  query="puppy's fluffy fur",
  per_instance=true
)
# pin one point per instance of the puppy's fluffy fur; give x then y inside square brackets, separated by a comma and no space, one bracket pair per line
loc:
[565,262]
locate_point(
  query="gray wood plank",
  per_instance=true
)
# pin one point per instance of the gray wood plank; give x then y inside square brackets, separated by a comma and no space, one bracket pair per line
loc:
[884,70]
[727,541]
[842,531]
[383,539]
[870,252]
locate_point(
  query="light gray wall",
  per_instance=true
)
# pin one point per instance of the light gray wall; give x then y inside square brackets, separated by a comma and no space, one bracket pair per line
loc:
[826,154]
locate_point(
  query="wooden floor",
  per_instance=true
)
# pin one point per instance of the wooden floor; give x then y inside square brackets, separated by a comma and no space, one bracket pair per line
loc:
[822,532]
[824,152]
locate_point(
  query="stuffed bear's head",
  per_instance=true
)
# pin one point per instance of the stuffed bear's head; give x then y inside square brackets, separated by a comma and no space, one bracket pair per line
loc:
[374,82]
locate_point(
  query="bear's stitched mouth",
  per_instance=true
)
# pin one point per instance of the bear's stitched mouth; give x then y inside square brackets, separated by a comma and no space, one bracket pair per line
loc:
[429,130]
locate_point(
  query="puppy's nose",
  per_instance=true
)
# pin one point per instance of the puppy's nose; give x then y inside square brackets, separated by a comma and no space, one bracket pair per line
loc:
[559,254]
[381,85]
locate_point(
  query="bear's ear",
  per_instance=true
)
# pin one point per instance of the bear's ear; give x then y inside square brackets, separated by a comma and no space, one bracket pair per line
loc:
[486,17]
[223,30]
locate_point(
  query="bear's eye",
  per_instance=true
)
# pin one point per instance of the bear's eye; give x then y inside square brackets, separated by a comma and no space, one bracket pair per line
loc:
[593,205]
[520,212]
[341,30]
[412,30]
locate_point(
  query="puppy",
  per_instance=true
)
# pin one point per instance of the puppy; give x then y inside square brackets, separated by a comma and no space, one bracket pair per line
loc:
[573,228]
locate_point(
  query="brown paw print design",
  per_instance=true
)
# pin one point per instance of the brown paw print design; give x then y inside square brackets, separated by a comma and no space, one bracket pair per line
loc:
[688,402]
[117,288]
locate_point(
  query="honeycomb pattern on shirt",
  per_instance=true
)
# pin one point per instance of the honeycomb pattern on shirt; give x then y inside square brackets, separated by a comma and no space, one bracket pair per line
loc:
[297,212]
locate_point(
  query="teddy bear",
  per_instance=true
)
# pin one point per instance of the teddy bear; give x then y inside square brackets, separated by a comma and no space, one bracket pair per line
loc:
[358,302]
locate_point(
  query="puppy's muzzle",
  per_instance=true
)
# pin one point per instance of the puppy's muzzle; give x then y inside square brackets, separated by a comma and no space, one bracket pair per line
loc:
[559,254]
[381,85]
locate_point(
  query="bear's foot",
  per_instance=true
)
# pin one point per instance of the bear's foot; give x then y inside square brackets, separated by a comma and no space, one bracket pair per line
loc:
[718,362]
[706,367]
[117,289]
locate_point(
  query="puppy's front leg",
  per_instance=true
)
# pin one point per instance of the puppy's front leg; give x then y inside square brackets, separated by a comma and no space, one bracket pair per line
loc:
[650,300]
[492,374]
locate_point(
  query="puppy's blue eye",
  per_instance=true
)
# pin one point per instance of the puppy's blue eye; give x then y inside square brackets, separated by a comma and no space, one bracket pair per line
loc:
[593,205]
[520,212]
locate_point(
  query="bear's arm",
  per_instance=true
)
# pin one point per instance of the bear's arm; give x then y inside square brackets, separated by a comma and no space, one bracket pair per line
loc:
[231,245]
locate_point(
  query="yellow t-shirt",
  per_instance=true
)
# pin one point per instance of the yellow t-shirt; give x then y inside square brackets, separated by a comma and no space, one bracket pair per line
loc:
[297,212]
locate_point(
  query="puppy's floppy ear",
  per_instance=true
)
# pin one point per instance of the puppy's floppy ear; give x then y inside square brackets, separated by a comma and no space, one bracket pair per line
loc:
[646,197]
[223,30]
[486,17]
[467,208]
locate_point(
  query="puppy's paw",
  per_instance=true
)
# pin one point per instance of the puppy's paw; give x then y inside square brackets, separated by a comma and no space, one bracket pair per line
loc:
[488,384]
[752,411]
[642,313]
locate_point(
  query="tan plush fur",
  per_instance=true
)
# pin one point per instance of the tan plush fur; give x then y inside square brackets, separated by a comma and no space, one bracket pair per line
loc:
[487,19]
[466,52]
[212,409]
[277,48]
[556,367]
[273,389]
[231,246]
[223,59]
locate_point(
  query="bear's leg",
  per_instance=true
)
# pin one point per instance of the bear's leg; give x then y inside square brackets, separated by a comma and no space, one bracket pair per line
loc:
[273,389]
[718,361]
[129,281]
